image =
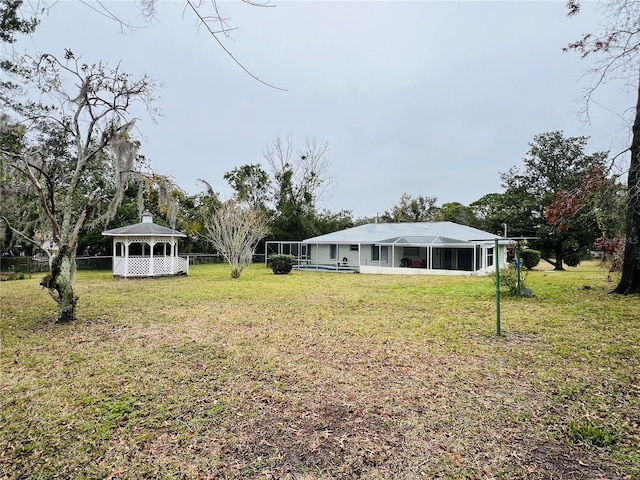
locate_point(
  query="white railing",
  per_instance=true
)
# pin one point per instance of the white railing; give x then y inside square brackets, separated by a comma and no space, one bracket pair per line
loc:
[144,267]
[327,265]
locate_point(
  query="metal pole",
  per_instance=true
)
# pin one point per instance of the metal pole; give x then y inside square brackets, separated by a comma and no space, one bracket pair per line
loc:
[496,259]
[518,268]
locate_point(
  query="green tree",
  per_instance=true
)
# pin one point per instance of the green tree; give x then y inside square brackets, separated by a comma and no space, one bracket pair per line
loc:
[553,164]
[12,22]
[458,213]
[492,212]
[616,50]
[157,194]
[289,217]
[327,221]
[251,185]
[409,209]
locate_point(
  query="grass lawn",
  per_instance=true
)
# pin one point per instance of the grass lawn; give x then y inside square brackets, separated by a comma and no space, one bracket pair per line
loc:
[321,375]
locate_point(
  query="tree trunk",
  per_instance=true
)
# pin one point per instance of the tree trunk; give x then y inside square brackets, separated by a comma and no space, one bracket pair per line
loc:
[630,280]
[559,265]
[59,282]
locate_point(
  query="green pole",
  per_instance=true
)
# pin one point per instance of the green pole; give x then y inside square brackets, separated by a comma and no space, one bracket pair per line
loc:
[496,259]
[518,269]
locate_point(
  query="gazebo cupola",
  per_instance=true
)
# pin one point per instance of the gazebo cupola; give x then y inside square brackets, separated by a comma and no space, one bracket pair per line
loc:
[146,249]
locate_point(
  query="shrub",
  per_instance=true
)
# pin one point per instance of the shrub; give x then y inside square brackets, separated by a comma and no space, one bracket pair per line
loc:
[509,281]
[530,258]
[281,264]
[508,278]
[572,253]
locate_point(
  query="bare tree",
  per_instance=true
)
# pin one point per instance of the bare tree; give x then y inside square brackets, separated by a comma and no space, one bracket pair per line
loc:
[616,51]
[235,230]
[304,177]
[75,154]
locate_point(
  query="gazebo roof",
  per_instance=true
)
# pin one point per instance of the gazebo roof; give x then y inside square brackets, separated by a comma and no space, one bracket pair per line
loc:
[144,228]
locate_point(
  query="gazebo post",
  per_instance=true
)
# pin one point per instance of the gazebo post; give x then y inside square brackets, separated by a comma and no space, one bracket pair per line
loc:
[174,254]
[152,244]
[113,256]
[126,258]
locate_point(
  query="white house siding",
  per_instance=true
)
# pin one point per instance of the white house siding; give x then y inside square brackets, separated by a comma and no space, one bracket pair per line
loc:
[322,254]
[412,271]
[363,256]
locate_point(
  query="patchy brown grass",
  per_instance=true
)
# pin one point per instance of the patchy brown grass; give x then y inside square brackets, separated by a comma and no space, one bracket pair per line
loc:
[317,375]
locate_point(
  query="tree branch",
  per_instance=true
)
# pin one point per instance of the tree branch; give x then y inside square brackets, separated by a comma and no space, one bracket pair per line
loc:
[203,21]
[23,236]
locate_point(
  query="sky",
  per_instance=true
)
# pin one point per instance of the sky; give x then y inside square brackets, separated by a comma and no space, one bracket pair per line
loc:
[419,97]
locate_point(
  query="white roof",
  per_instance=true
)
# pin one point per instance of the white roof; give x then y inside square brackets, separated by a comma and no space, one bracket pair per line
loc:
[417,233]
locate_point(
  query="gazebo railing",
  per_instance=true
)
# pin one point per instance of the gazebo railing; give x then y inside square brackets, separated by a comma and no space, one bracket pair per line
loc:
[143,266]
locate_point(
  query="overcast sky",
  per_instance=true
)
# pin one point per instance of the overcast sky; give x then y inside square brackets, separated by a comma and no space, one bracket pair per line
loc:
[427,98]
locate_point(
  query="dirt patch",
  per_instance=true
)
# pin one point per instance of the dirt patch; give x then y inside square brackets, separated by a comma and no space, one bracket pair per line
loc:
[553,461]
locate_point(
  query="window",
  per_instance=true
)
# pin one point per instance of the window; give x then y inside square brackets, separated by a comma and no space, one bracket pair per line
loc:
[411,251]
[379,253]
[159,249]
[353,248]
[139,249]
[489,257]
[333,252]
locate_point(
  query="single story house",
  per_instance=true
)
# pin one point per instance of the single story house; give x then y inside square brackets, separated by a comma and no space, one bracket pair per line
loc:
[423,248]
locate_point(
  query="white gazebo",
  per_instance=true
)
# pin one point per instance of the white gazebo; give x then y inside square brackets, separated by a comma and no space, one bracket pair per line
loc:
[146,250]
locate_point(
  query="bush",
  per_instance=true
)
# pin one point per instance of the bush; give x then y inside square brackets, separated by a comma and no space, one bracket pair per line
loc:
[281,264]
[509,281]
[530,258]
[572,252]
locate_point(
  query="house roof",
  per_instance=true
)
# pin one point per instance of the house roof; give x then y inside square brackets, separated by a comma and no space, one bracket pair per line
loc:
[419,233]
